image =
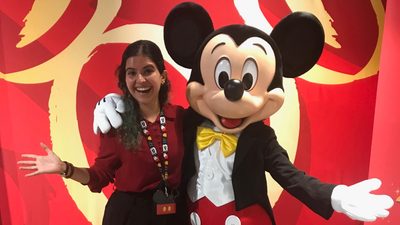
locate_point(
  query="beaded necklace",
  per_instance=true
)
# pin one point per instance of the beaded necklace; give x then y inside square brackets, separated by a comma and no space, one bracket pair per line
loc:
[165,202]
[153,150]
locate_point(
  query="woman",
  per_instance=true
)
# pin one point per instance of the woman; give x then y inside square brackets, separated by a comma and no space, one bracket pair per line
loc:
[143,157]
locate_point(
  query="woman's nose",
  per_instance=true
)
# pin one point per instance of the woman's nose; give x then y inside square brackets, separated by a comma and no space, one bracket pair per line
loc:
[140,77]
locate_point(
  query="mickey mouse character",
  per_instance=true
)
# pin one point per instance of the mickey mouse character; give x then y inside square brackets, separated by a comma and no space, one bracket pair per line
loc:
[235,84]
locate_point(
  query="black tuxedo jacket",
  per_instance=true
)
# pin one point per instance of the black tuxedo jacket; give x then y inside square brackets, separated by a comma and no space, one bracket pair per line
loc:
[258,151]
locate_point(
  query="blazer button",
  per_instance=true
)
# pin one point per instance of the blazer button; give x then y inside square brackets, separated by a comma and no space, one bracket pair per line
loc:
[209,174]
[232,220]
[195,219]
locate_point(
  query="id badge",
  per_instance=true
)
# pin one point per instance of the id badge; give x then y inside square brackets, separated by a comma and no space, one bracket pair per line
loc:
[165,204]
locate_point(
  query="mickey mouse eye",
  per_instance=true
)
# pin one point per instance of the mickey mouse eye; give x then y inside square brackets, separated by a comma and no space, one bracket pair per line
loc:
[250,74]
[222,72]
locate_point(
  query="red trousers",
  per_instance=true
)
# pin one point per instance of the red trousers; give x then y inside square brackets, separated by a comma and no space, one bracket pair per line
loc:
[204,212]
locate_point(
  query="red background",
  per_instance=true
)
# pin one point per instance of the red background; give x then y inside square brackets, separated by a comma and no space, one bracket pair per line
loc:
[347,132]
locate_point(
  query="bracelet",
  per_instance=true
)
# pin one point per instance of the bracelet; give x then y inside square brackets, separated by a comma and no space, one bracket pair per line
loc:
[71,170]
[64,173]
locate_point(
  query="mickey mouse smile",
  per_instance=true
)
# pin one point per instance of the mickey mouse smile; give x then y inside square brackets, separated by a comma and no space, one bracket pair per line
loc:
[230,123]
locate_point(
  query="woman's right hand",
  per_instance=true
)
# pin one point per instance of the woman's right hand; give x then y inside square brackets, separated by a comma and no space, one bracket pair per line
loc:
[45,164]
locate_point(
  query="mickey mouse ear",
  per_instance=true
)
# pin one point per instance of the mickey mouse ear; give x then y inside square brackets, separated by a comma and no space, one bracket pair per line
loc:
[186,27]
[300,39]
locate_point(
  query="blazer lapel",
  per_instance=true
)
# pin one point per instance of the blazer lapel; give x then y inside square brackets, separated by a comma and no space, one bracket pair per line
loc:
[245,144]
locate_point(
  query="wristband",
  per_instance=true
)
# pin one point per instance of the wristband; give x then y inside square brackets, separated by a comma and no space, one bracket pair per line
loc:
[66,171]
[70,170]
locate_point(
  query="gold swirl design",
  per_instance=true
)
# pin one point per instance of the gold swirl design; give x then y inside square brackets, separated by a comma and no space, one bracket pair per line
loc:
[322,75]
[38,23]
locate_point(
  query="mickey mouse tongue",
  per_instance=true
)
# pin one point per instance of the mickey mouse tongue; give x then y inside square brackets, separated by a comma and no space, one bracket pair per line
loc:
[230,123]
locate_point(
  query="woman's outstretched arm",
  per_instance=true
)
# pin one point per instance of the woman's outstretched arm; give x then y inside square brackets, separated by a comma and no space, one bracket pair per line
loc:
[52,164]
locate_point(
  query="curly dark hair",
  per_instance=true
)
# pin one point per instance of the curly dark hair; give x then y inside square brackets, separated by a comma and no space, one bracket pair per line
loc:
[130,130]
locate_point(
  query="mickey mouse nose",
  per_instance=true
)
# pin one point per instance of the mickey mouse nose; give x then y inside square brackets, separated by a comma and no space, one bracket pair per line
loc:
[233,90]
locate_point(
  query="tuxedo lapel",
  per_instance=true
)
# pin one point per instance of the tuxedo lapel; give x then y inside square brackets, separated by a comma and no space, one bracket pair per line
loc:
[190,123]
[245,144]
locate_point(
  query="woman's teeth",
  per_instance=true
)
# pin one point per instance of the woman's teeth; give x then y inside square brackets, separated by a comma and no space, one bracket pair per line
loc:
[143,89]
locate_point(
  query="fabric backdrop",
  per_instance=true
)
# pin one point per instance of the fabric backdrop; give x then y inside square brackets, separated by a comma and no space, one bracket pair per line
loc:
[57,58]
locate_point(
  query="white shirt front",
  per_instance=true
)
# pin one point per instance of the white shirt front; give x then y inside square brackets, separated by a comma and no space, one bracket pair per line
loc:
[213,178]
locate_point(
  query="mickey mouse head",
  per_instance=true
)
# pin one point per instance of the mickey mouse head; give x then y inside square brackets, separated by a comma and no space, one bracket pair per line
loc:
[237,70]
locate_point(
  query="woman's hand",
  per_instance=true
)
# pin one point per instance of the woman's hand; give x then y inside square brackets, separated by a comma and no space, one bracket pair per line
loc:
[45,164]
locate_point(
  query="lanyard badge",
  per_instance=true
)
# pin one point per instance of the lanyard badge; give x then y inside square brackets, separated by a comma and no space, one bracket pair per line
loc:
[165,202]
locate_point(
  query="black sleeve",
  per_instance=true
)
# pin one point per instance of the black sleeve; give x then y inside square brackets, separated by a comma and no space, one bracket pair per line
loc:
[309,190]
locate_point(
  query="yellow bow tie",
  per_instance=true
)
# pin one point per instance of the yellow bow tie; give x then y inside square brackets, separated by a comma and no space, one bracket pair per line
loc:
[207,136]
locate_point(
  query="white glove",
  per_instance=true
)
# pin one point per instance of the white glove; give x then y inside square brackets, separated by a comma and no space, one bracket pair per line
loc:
[358,203]
[106,113]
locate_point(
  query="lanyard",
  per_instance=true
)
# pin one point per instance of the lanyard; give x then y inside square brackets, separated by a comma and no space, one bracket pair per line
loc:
[153,150]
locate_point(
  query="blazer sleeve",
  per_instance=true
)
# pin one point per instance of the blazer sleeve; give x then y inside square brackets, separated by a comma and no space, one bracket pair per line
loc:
[309,190]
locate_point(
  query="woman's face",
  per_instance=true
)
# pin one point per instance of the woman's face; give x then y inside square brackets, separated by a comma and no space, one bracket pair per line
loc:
[143,79]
